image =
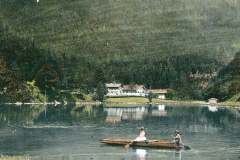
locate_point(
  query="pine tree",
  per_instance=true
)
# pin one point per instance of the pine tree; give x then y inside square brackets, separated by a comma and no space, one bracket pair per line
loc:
[101,91]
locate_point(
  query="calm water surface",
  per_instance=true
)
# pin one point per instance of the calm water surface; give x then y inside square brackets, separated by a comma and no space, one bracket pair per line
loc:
[72,133]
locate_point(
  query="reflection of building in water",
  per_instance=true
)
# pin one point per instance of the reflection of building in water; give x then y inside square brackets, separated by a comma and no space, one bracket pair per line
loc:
[212,108]
[114,115]
[205,128]
[113,119]
[161,107]
[160,111]
[133,113]
[117,114]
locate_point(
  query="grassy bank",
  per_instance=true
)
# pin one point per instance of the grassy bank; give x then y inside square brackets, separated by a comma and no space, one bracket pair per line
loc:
[143,100]
[179,102]
[128,101]
[230,104]
[133,101]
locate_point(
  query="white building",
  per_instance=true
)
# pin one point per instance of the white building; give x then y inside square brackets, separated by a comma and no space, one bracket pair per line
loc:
[160,93]
[119,90]
[114,89]
[134,90]
[213,101]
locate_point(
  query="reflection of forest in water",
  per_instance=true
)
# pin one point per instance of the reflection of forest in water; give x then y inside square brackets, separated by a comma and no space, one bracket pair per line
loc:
[66,115]
[19,115]
[206,119]
[192,117]
[44,131]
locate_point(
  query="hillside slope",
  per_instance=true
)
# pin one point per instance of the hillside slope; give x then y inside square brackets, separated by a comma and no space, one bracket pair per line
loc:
[159,43]
[113,29]
[227,84]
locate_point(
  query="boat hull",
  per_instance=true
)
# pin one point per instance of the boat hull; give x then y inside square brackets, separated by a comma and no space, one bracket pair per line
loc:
[160,144]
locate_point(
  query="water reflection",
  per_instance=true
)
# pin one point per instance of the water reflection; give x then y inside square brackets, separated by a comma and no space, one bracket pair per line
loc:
[178,155]
[159,111]
[141,154]
[19,115]
[73,132]
[118,114]
[15,157]
[202,117]
[212,108]
[148,154]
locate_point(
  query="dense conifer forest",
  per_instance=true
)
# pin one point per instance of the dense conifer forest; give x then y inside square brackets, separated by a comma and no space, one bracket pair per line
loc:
[186,46]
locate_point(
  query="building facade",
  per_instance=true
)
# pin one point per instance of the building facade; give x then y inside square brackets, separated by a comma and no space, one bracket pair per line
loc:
[160,93]
[114,89]
[213,101]
[119,90]
[132,90]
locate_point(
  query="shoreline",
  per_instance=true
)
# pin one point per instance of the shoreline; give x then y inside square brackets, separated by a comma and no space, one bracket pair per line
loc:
[172,102]
[175,103]
[123,103]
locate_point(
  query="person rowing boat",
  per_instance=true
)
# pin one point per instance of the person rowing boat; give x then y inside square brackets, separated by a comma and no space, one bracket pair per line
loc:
[141,136]
[159,144]
[178,138]
[178,141]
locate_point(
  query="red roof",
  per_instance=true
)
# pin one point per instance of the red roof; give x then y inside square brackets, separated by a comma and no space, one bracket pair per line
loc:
[158,91]
[133,87]
[113,85]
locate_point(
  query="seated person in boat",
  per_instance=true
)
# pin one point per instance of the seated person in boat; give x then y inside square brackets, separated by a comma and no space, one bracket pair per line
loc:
[141,136]
[178,138]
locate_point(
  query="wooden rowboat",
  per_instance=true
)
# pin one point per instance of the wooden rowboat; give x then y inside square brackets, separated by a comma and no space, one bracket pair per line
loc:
[160,144]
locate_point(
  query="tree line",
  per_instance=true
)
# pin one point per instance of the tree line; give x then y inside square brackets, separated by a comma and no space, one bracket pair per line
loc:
[26,68]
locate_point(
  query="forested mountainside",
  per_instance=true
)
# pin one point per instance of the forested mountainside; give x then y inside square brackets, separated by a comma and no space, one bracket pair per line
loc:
[78,43]
[113,29]
[227,84]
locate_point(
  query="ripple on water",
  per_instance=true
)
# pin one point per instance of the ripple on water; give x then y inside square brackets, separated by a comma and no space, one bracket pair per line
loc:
[47,126]
[211,136]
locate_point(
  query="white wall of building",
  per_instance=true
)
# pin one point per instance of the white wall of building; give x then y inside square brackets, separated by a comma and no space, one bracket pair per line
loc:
[161,96]
[119,92]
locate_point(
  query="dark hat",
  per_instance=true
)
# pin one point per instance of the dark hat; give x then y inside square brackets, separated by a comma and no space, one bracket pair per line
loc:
[142,128]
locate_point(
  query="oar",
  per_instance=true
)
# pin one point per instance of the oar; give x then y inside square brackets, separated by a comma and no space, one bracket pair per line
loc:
[128,145]
[186,147]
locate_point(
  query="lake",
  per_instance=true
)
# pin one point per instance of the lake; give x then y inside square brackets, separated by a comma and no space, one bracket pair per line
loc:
[72,133]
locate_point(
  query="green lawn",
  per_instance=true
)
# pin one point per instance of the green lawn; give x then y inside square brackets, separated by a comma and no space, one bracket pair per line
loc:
[143,100]
[235,98]
[137,100]
[134,100]
[231,104]
[178,101]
